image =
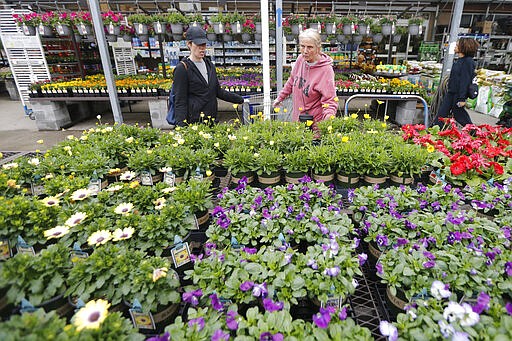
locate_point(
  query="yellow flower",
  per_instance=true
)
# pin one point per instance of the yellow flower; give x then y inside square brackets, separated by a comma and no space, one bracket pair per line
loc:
[75,219]
[384,125]
[367,116]
[124,208]
[379,102]
[345,139]
[134,184]
[120,234]
[386,117]
[325,105]
[50,201]
[301,108]
[40,141]
[309,123]
[430,148]
[216,144]
[277,109]
[11,183]
[336,99]
[81,194]
[209,173]
[329,128]
[354,116]
[99,237]
[285,110]
[235,106]
[92,315]
[159,273]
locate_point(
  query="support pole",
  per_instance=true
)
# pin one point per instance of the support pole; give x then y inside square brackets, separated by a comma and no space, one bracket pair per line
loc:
[279,44]
[105,60]
[266,58]
[454,32]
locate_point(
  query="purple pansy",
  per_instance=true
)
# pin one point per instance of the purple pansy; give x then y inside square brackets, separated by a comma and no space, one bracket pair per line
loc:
[508,307]
[323,318]
[429,264]
[482,303]
[231,321]
[199,322]
[388,330]
[508,268]
[382,240]
[164,337]
[332,272]
[249,250]
[272,306]
[342,315]
[219,335]
[312,263]
[246,286]
[410,225]
[216,304]
[300,216]
[268,336]
[363,257]
[379,269]
[192,297]
[260,290]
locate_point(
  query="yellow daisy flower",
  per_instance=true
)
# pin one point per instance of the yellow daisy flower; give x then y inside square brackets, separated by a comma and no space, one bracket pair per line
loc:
[92,315]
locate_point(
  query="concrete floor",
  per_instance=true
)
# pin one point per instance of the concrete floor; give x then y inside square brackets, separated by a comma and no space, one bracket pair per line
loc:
[19,133]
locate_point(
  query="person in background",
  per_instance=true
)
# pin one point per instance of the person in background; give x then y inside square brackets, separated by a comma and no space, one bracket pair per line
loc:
[461,76]
[311,81]
[196,86]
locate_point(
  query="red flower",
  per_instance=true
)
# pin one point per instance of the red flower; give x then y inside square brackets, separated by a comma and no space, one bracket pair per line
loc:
[458,168]
[498,169]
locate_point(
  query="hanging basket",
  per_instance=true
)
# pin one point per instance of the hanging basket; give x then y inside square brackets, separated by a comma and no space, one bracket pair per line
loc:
[296,28]
[159,27]
[45,31]
[386,29]
[211,37]
[177,37]
[340,38]
[177,28]
[414,29]
[246,37]
[236,27]
[127,38]
[84,29]
[218,28]
[112,38]
[113,29]
[377,38]
[357,38]
[362,29]
[397,38]
[63,30]
[140,28]
[258,37]
[28,30]
[258,27]
[227,37]
[316,26]
[347,29]
[330,28]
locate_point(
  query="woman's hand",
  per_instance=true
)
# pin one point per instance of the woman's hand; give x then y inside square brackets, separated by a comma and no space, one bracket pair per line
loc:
[461,104]
[276,103]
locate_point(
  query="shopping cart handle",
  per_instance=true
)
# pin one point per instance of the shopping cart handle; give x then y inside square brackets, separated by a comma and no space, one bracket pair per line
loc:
[246,99]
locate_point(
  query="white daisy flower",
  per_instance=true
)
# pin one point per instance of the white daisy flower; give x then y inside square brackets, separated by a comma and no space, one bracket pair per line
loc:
[56,232]
[165,169]
[128,176]
[160,203]
[34,161]
[114,188]
[99,237]
[75,219]
[81,194]
[124,208]
[231,137]
[389,330]
[50,201]
[10,165]
[92,315]
[67,148]
[446,329]
[125,233]
[159,273]
[181,141]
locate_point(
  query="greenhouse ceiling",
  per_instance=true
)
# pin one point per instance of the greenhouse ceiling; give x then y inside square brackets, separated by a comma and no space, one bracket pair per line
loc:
[372,7]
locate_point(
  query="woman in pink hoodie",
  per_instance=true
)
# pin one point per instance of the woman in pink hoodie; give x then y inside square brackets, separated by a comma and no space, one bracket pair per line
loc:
[311,81]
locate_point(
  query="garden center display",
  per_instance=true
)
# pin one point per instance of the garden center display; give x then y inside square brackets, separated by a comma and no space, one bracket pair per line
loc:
[111,241]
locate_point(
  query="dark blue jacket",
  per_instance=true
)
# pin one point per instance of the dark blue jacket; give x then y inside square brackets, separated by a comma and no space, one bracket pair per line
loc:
[195,96]
[462,74]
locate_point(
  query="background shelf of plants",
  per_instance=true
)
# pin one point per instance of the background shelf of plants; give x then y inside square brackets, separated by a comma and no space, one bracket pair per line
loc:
[273,261]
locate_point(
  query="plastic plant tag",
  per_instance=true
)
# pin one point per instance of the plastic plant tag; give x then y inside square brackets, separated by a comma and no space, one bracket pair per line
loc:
[23,247]
[26,306]
[140,319]
[196,223]
[77,254]
[146,179]
[5,249]
[180,253]
[170,178]
[36,189]
[332,300]
[198,175]
[235,246]
[94,186]
[79,304]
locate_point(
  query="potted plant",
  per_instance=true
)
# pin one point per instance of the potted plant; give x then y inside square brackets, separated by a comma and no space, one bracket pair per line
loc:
[330,20]
[296,22]
[28,22]
[196,195]
[64,24]
[269,163]
[37,325]
[43,280]
[146,160]
[399,32]
[83,22]
[296,165]
[140,22]
[177,20]
[195,19]
[386,23]
[248,29]
[348,22]
[218,21]
[407,162]
[363,25]
[414,25]
[112,22]
[240,162]
[48,21]
[210,32]
[376,30]
[322,162]
[348,156]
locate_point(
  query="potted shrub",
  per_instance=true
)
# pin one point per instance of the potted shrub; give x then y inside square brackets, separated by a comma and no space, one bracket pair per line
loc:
[43,280]
[269,162]
[82,22]
[112,22]
[241,163]
[322,162]
[296,165]
[407,162]
[177,20]
[146,160]
[386,23]
[140,22]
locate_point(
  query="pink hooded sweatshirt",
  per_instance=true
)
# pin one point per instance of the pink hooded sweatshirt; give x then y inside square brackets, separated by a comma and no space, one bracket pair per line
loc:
[312,88]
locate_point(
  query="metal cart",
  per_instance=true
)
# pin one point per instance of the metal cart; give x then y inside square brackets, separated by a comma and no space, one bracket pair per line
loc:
[254,106]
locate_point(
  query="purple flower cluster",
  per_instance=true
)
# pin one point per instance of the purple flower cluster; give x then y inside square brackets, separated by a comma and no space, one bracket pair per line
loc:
[272,306]
[268,336]
[222,219]
[323,318]
[192,297]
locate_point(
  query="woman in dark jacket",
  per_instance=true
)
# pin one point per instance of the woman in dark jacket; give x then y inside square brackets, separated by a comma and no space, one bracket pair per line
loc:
[196,86]
[461,76]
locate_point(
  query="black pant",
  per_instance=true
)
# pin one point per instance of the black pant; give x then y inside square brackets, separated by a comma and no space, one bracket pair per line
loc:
[448,106]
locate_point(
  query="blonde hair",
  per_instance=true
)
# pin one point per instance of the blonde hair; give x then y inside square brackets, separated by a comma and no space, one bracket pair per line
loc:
[312,35]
